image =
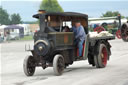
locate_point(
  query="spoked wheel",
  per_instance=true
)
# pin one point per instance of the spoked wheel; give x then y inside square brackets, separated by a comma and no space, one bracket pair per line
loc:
[29,66]
[58,64]
[99,29]
[100,59]
[124,32]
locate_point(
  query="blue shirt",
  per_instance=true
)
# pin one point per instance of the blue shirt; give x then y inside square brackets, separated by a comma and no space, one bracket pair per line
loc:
[79,32]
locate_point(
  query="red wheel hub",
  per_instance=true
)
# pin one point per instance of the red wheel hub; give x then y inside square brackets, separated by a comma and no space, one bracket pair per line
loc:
[104,56]
[118,34]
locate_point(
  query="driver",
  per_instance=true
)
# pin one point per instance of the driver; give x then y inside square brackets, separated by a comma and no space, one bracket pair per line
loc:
[80,36]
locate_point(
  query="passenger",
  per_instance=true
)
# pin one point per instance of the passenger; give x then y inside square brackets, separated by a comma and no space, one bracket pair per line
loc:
[80,36]
[66,29]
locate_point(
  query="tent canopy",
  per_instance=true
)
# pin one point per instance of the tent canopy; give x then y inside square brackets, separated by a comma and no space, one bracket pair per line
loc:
[14,27]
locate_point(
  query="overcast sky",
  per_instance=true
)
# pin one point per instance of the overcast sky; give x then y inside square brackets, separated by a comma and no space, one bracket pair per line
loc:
[94,8]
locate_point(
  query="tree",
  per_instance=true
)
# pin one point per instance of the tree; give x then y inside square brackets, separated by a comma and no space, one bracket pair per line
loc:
[111,14]
[15,19]
[127,18]
[4,17]
[30,22]
[51,6]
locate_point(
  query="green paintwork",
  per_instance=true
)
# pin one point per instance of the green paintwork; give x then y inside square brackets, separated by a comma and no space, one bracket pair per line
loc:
[63,38]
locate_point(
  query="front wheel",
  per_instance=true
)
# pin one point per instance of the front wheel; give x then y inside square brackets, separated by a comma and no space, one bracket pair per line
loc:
[29,65]
[58,64]
[101,57]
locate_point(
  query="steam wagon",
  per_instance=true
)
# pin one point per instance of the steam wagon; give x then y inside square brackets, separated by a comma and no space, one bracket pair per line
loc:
[124,32]
[54,44]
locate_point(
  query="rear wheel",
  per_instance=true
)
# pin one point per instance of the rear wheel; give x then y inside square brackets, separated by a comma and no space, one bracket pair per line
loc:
[101,57]
[29,65]
[58,64]
[91,60]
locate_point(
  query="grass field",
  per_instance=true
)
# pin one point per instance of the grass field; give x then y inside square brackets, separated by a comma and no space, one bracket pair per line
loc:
[27,38]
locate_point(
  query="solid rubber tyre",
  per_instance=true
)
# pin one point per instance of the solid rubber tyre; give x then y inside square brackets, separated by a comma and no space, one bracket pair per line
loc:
[101,57]
[58,64]
[28,66]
